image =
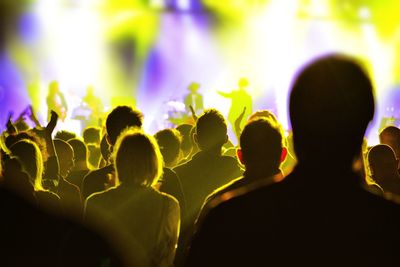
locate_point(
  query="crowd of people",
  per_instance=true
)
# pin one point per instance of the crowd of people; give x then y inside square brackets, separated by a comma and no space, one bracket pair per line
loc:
[186,196]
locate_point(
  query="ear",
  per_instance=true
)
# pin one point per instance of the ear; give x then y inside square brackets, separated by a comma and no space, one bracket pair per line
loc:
[284,154]
[240,155]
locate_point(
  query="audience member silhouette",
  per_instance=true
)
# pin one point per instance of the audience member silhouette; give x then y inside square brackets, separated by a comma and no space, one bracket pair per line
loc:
[80,166]
[261,151]
[65,135]
[91,135]
[383,166]
[118,120]
[169,141]
[30,158]
[319,215]
[186,143]
[142,221]
[391,136]
[68,192]
[207,170]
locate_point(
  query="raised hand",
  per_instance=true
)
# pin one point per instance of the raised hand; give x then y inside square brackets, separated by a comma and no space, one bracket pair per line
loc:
[52,123]
[194,116]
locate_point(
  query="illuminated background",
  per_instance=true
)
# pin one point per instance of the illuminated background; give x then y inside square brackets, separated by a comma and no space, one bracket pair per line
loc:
[148,52]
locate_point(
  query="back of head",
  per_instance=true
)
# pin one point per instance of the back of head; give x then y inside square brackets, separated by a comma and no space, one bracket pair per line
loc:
[331,104]
[65,154]
[31,159]
[91,135]
[261,143]
[243,82]
[80,149]
[382,160]
[211,130]
[119,119]
[391,136]
[65,135]
[138,159]
[169,141]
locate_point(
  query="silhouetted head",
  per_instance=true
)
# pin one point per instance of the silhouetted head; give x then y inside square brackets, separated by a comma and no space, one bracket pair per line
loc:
[261,145]
[53,88]
[169,141]
[243,82]
[91,135]
[391,136]
[138,160]
[65,135]
[80,150]
[105,148]
[30,157]
[331,105]
[187,141]
[211,130]
[119,119]
[263,114]
[65,155]
[382,162]
[193,87]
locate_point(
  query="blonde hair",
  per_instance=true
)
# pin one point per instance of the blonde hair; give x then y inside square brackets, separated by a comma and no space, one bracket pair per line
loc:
[137,158]
[31,158]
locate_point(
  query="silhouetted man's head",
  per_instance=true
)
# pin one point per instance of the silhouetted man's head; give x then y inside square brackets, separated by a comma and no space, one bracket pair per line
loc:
[391,136]
[121,118]
[331,104]
[382,162]
[65,154]
[80,150]
[261,145]
[211,130]
[169,141]
[92,135]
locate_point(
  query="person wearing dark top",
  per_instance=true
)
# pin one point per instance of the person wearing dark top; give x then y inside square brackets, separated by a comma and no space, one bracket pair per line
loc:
[390,136]
[383,166]
[206,171]
[119,119]
[261,151]
[80,166]
[319,215]
[169,141]
[143,221]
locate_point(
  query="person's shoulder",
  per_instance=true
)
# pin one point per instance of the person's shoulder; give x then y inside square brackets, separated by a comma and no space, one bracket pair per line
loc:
[99,172]
[103,196]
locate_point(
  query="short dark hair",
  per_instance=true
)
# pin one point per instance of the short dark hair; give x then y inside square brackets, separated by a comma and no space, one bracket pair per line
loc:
[331,105]
[211,130]
[80,149]
[169,141]
[261,143]
[119,119]
[65,135]
[91,135]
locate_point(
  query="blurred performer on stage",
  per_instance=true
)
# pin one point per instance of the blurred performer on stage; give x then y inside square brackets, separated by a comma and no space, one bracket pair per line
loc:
[56,101]
[194,99]
[91,101]
[240,99]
